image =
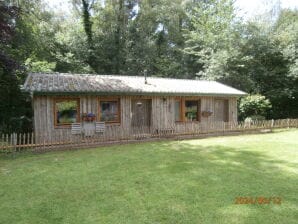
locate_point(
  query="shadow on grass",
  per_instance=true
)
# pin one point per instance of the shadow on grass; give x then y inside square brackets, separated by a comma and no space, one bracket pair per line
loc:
[227,173]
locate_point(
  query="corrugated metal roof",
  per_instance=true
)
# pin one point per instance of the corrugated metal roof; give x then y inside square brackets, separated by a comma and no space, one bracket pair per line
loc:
[64,83]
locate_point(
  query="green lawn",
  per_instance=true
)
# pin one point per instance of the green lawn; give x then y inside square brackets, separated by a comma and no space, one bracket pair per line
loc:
[191,181]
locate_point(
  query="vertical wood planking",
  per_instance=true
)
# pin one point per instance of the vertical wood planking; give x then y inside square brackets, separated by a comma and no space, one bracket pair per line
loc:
[42,113]
[50,116]
[83,104]
[125,105]
[234,111]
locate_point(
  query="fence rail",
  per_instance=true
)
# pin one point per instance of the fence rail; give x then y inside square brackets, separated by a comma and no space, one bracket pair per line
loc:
[38,141]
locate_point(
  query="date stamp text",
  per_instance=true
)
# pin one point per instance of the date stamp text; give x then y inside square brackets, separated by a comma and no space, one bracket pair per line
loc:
[258,200]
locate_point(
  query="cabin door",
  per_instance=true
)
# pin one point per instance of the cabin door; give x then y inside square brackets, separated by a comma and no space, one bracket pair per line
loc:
[141,115]
[221,110]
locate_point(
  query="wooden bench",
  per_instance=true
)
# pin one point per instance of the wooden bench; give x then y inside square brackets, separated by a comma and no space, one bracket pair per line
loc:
[76,128]
[100,127]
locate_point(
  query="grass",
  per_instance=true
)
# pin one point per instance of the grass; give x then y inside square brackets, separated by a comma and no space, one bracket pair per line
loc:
[191,181]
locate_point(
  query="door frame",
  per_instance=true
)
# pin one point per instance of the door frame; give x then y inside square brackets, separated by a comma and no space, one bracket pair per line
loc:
[149,101]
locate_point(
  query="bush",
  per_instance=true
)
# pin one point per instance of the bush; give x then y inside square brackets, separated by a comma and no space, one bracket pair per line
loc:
[254,107]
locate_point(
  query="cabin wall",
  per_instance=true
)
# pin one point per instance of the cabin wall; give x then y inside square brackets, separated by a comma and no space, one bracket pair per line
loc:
[206,123]
[44,116]
[163,115]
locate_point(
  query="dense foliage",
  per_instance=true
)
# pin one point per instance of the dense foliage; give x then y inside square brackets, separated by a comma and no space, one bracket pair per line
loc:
[15,109]
[254,106]
[170,38]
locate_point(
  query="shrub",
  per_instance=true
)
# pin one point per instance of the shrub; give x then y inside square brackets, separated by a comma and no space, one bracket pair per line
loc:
[254,106]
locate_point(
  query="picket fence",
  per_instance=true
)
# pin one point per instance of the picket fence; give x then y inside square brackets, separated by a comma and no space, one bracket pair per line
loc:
[16,142]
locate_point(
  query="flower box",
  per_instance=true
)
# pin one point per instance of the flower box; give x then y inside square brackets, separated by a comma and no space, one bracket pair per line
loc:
[207,113]
[89,117]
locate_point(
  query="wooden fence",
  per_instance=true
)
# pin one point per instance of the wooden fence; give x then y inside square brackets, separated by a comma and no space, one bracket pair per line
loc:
[38,142]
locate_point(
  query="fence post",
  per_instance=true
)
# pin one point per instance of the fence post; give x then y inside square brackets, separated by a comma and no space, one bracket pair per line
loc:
[14,141]
[288,123]
[272,123]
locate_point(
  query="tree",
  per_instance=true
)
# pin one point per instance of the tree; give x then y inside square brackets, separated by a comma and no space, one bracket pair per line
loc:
[285,32]
[259,67]
[209,35]
[15,110]
[84,7]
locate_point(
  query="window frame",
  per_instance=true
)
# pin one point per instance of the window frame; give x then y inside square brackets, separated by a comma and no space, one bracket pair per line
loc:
[111,99]
[61,99]
[182,101]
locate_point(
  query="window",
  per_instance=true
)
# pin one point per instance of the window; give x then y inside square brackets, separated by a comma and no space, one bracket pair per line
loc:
[177,110]
[109,110]
[67,111]
[187,110]
[191,110]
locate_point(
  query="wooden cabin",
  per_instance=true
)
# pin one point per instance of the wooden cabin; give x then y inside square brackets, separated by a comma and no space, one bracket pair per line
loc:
[71,104]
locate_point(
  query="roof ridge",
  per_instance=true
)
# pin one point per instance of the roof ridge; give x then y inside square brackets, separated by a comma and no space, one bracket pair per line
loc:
[115,75]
